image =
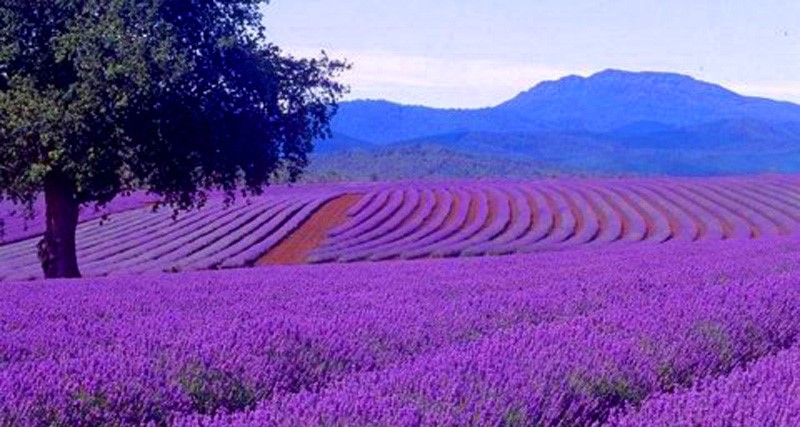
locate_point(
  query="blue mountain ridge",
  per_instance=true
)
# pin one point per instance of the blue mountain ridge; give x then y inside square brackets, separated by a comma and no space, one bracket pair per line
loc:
[610,122]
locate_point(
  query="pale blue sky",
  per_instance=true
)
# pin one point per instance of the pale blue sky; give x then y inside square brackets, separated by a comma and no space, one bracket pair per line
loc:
[471,53]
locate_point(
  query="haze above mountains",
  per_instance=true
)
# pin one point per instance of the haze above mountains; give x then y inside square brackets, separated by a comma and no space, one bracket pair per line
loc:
[613,122]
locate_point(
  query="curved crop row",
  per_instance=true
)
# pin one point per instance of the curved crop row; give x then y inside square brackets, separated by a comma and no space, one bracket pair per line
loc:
[479,218]
[18,223]
[141,241]
[421,220]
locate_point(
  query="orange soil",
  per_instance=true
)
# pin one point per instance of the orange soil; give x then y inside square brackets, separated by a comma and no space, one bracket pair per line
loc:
[451,216]
[472,211]
[296,247]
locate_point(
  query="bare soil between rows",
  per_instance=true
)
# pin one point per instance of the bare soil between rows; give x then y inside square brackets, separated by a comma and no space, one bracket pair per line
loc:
[297,246]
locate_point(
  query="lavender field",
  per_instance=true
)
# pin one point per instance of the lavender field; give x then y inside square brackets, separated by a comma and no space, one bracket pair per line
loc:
[256,213]
[413,220]
[619,302]
[626,336]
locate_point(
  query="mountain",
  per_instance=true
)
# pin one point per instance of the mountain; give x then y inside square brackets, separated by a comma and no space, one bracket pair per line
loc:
[341,142]
[613,99]
[383,122]
[602,102]
[610,122]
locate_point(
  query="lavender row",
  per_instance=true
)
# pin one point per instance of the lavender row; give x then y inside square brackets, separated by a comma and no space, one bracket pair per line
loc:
[17,225]
[517,227]
[366,227]
[425,226]
[455,221]
[140,241]
[406,221]
[492,217]
[659,228]
[632,223]
[610,219]
[543,220]
[192,238]
[375,204]
[141,349]
[765,393]
[271,337]
[271,238]
[410,229]
[567,214]
[390,230]
[573,371]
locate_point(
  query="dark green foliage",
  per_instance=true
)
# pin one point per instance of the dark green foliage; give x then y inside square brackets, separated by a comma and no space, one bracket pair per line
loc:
[174,96]
[515,416]
[211,391]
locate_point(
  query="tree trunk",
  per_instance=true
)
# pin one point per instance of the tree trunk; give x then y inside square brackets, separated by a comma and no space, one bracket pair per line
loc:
[57,247]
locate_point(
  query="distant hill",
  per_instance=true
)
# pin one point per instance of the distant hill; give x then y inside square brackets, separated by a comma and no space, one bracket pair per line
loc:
[383,122]
[611,122]
[419,160]
[612,99]
[340,142]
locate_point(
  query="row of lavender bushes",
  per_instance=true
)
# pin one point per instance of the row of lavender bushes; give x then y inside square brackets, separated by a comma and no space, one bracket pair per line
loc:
[561,338]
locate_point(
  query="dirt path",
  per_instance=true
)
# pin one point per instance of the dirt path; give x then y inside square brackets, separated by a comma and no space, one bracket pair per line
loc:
[295,248]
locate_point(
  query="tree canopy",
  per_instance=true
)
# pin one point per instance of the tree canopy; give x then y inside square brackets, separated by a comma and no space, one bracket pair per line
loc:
[100,97]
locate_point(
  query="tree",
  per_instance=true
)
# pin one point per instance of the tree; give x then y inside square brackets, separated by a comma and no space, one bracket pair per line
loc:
[178,97]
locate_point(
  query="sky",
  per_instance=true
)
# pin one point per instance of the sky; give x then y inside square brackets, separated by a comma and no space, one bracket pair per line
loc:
[477,53]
